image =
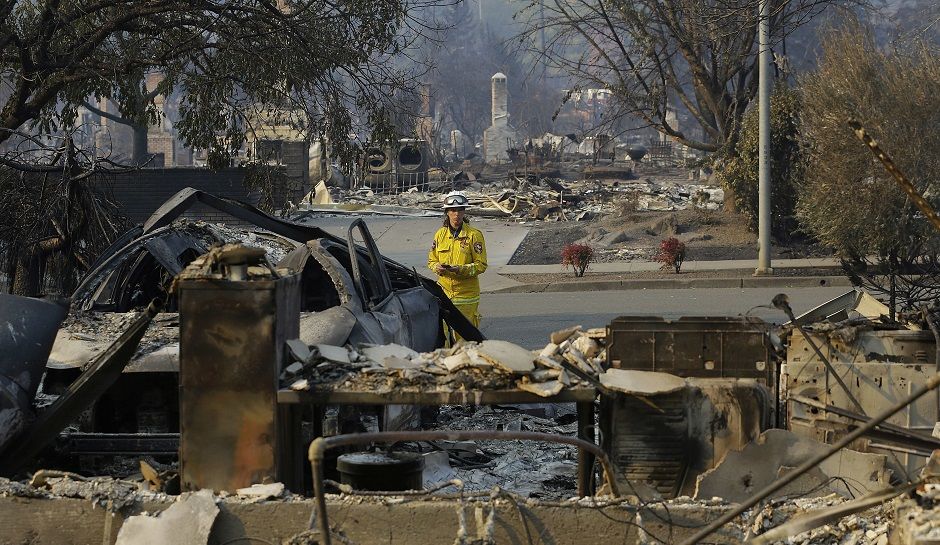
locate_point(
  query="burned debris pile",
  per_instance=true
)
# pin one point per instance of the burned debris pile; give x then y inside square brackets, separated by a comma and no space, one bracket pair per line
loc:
[467,366]
[277,336]
[523,197]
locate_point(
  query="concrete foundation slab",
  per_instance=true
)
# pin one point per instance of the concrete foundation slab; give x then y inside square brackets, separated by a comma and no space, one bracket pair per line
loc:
[186,522]
[365,521]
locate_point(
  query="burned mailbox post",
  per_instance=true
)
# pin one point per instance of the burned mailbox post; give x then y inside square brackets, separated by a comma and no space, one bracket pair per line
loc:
[235,316]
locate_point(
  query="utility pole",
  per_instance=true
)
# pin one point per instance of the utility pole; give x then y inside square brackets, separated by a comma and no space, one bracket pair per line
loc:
[763,160]
[542,37]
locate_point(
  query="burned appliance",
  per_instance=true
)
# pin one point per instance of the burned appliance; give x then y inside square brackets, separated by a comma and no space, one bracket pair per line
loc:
[659,442]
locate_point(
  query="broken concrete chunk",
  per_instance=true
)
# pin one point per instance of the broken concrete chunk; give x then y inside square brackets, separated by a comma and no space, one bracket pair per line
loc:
[338,354]
[476,360]
[550,350]
[932,467]
[586,346]
[597,333]
[574,357]
[299,350]
[548,362]
[634,382]
[541,375]
[434,366]
[542,389]
[810,484]
[262,491]
[186,522]
[561,336]
[456,362]
[394,362]
[507,355]
[411,374]
[380,352]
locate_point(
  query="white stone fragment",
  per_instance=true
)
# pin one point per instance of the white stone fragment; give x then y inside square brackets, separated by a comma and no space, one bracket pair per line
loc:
[262,491]
[641,382]
[507,355]
[542,389]
[300,385]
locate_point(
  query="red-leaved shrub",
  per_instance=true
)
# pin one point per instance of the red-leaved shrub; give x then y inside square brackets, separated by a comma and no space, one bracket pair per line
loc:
[578,257]
[671,253]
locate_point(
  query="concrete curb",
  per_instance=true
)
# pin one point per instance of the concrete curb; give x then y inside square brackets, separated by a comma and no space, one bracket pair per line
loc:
[681,283]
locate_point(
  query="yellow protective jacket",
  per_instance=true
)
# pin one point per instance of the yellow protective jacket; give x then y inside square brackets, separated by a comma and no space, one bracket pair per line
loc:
[467,251]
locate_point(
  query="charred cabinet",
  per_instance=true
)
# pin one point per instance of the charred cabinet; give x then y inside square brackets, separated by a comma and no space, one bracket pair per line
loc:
[232,338]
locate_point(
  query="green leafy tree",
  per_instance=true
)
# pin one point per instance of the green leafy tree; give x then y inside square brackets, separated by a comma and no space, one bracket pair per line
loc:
[322,68]
[849,201]
[320,65]
[739,173]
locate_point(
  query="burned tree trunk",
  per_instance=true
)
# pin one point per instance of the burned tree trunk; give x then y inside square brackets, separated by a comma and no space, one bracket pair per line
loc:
[27,276]
[139,153]
[30,267]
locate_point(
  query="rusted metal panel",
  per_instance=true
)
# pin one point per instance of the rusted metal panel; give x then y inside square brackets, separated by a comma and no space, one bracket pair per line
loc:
[232,336]
[708,347]
[660,443]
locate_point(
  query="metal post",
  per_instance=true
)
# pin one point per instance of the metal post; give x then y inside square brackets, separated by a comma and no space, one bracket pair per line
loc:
[763,104]
[585,457]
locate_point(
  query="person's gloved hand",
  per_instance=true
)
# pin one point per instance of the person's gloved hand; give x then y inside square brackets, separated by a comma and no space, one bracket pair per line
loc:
[446,270]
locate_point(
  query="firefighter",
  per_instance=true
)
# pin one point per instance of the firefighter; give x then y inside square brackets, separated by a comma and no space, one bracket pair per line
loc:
[458,256]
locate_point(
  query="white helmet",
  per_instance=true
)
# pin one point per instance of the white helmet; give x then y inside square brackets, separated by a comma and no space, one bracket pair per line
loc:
[455,199]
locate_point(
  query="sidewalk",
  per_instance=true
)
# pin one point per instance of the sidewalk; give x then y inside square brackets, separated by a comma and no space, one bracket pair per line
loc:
[745,279]
[407,239]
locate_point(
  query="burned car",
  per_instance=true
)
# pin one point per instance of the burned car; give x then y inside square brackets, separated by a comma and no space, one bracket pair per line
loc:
[350,293]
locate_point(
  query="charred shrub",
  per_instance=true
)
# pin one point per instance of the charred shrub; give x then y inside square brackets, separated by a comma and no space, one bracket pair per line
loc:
[671,254]
[578,257]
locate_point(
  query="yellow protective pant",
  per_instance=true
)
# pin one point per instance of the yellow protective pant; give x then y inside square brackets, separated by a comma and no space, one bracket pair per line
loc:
[470,310]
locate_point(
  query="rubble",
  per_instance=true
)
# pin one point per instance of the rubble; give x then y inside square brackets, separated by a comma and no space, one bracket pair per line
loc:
[107,492]
[525,198]
[490,364]
[720,391]
[85,334]
[508,464]
[870,526]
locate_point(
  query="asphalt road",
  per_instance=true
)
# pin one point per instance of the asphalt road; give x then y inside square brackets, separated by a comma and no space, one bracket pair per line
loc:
[528,318]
